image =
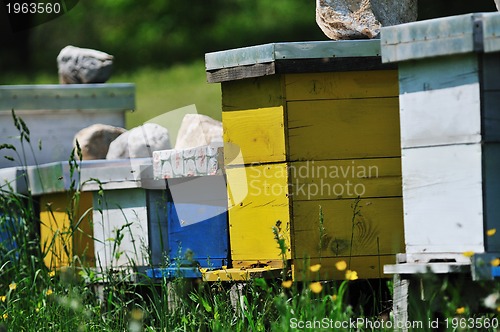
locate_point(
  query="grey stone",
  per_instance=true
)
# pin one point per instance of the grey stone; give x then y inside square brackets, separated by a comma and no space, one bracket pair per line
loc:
[360,19]
[346,19]
[82,65]
[197,130]
[390,12]
[140,142]
[94,140]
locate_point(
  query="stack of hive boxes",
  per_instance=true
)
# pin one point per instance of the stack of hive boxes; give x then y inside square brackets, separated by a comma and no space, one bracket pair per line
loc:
[311,126]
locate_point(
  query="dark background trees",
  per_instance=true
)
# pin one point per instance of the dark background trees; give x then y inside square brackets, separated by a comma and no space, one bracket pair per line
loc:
[159,33]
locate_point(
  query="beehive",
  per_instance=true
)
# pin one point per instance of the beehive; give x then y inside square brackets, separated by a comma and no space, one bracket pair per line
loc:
[65,217]
[449,88]
[13,182]
[54,113]
[311,125]
[128,212]
[196,209]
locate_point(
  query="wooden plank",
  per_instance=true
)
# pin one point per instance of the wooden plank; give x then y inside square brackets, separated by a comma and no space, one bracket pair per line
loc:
[258,199]
[491,31]
[120,229]
[343,129]
[430,38]
[340,179]
[157,225]
[438,73]
[259,135]
[76,97]
[253,93]
[442,190]
[491,116]
[439,117]
[491,187]
[239,73]
[367,267]
[237,57]
[59,240]
[342,85]
[331,65]
[374,226]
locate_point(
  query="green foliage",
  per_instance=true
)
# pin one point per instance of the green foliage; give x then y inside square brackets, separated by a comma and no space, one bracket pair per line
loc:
[159,33]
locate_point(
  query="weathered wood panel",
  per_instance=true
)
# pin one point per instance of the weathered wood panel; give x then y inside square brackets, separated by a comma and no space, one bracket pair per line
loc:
[343,129]
[371,226]
[338,179]
[258,200]
[259,134]
[443,204]
[342,85]
[439,117]
[61,239]
[252,93]
[491,187]
[120,228]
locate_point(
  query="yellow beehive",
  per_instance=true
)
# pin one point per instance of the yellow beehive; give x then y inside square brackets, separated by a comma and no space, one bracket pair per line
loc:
[62,237]
[312,127]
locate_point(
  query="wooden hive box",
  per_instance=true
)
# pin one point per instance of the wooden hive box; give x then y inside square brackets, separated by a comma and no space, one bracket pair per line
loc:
[310,125]
[129,213]
[55,113]
[450,133]
[13,182]
[197,234]
[64,234]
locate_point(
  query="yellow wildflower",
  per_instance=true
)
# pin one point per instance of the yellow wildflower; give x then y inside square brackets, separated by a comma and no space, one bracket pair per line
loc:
[468,253]
[3,298]
[52,273]
[460,311]
[498,309]
[315,268]
[491,232]
[287,284]
[334,297]
[5,316]
[495,262]
[351,275]
[316,287]
[341,265]
[49,292]
[13,286]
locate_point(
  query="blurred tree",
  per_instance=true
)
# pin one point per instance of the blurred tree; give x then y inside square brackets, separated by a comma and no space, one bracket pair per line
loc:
[158,33]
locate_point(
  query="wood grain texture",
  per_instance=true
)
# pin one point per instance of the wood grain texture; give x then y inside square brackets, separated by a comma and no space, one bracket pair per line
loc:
[258,199]
[374,226]
[252,93]
[367,267]
[59,238]
[491,187]
[343,129]
[124,215]
[340,179]
[242,72]
[342,85]
[443,204]
[259,134]
[439,117]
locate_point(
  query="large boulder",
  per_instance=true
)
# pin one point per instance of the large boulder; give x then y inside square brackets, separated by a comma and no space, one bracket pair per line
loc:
[94,140]
[198,130]
[82,65]
[140,142]
[359,19]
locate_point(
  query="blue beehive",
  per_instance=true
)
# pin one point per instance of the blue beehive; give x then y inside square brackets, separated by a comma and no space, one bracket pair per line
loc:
[13,182]
[197,212]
